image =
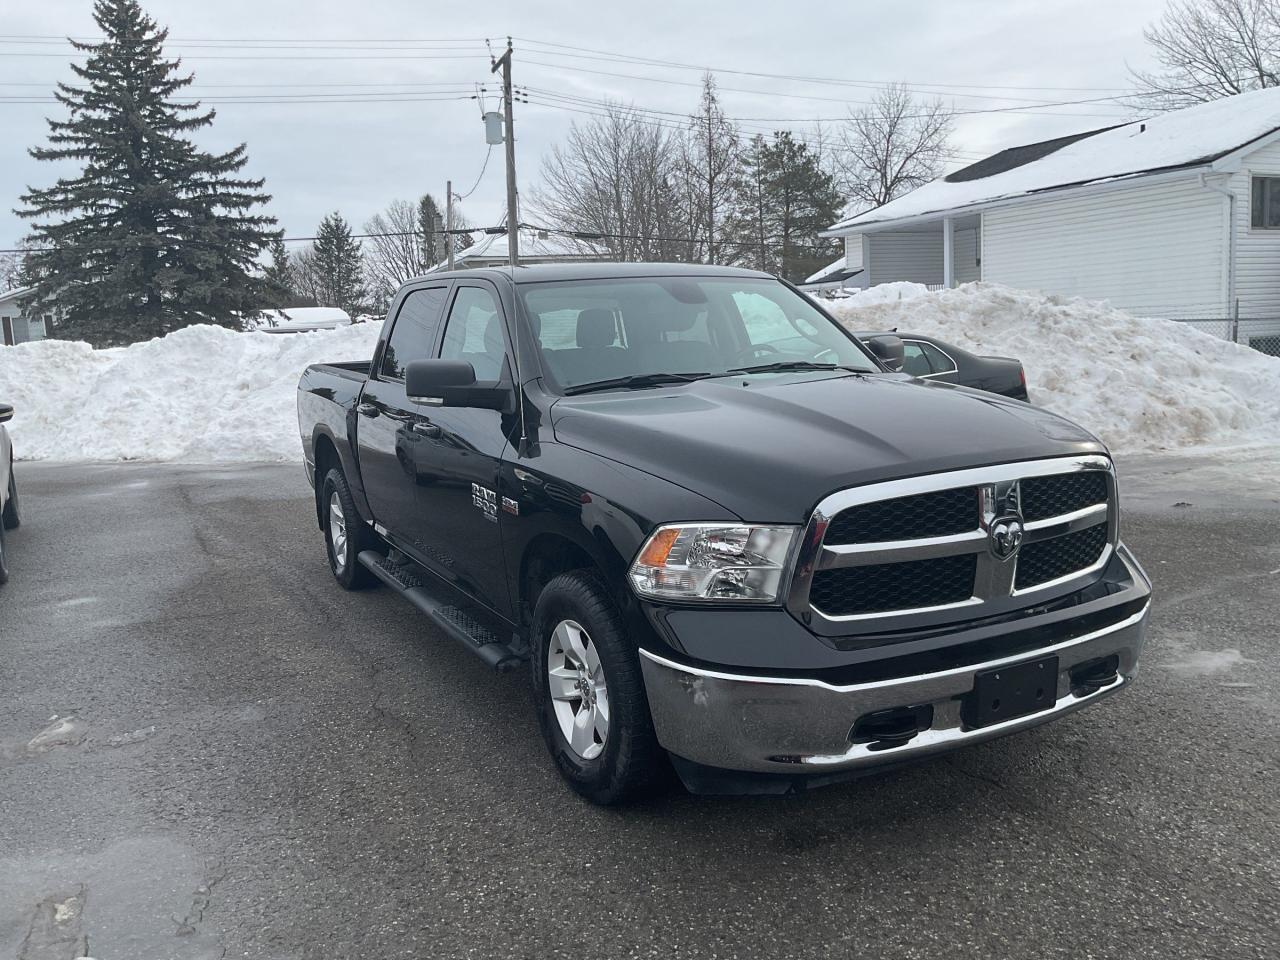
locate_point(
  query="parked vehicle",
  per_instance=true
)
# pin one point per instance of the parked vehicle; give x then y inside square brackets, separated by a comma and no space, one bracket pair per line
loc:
[9,517]
[719,528]
[932,359]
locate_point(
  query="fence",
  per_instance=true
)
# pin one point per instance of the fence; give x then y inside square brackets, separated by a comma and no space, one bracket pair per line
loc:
[1261,333]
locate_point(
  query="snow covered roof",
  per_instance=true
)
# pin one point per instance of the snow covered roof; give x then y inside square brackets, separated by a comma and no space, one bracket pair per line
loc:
[837,270]
[298,319]
[14,294]
[1190,137]
[535,245]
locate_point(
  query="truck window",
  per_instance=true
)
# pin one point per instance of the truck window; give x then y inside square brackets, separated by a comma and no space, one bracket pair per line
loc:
[413,335]
[473,332]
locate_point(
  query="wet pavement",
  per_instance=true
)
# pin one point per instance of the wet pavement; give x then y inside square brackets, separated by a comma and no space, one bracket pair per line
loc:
[209,750]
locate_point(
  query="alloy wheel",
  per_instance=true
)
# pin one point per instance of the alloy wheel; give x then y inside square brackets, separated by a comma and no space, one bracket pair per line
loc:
[579,692]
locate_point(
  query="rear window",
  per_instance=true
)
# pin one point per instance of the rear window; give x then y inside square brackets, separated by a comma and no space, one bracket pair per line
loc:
[591,330]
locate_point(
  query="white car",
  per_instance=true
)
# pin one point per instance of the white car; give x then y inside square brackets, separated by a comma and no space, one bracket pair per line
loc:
[8,489]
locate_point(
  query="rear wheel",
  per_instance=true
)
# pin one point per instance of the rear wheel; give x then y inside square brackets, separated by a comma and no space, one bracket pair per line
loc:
[10,518]
[589,693]
[4,558]
[345,533]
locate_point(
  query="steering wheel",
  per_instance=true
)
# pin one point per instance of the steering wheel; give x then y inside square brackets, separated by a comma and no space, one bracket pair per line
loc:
[753,351]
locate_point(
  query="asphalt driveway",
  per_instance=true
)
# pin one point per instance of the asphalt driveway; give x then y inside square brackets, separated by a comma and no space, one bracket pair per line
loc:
[209,750]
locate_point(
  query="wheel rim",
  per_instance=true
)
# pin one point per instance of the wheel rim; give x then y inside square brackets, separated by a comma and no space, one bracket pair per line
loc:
[579,693]
[338,533]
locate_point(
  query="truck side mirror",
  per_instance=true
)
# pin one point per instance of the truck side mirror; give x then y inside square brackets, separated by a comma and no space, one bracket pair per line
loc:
[6,413]
[889,350]
[452,383]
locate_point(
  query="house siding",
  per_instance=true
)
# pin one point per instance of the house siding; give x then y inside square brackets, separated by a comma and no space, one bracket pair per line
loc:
[1257,252]
[1155,249]
[904,256]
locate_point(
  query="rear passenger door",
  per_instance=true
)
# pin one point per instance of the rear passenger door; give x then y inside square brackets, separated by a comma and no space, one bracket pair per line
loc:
[389,427]
[460,501]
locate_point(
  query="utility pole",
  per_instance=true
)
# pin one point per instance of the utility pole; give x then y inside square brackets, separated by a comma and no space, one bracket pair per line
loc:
[448,219]
[513,216]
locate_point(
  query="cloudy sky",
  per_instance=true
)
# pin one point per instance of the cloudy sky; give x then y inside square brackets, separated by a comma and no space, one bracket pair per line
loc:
[349,105]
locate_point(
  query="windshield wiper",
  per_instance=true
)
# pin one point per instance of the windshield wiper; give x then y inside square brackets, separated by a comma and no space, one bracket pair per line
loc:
[793,365]
[635,380]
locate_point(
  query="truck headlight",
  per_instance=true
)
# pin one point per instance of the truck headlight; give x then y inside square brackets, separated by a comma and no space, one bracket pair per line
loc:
[713,561]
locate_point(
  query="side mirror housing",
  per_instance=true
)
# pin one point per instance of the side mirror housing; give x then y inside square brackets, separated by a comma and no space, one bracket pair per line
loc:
[452,383]
[6,413]
[889,350]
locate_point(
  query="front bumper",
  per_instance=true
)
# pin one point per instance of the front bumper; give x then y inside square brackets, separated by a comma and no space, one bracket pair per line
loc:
[803,726]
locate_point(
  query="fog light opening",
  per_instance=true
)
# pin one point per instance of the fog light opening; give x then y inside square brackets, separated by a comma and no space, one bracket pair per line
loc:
[896,727]
[1092,675]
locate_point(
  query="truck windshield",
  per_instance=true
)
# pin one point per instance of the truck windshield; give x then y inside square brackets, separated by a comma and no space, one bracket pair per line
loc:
[637,331]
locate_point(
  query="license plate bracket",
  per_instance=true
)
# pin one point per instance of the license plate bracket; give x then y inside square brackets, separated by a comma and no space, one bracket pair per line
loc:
[1011,692]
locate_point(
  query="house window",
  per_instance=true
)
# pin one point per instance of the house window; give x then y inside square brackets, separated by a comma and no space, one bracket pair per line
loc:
[1266,203]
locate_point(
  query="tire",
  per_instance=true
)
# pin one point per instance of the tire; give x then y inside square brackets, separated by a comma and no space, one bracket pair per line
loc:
[4,558]
[627,761]
[10,519]
[342,523]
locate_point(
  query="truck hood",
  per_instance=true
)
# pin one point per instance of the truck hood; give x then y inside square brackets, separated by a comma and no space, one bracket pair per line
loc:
[769,448]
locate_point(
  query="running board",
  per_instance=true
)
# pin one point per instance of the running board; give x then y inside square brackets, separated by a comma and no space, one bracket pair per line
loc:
[453,620]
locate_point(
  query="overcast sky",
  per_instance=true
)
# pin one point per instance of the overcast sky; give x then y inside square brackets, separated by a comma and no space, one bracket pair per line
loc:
[357,156]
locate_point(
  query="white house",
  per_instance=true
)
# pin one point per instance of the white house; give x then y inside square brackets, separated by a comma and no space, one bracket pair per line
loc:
[17,328]
[1176,216]
[536,246]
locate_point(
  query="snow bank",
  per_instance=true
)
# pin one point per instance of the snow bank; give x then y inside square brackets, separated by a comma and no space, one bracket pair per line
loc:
[1139,384]
[201,394]
[208,394]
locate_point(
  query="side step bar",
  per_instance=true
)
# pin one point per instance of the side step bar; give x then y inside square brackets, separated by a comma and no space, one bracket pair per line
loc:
[454,621]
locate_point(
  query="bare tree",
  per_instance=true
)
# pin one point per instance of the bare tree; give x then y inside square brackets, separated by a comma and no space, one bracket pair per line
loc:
[1208,49]
[617,179]
[394,250]
[891,146]
[711,152]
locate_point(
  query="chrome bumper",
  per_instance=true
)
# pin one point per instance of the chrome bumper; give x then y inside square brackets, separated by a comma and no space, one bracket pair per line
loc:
[802,725]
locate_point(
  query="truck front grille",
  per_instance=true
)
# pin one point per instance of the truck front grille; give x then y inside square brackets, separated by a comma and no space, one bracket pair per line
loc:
[892,586]
[1062,493]
[933,514]
[1050,559]
[913,552]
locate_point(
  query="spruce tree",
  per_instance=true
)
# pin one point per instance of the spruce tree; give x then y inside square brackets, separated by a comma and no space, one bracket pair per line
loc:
[784,199]
[154,234]
[339,267]
[279,276]
[430,220]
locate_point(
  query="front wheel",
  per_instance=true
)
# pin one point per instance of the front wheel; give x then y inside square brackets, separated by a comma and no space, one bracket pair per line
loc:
[4,558]
[10,518]
[345,533]
[589,693]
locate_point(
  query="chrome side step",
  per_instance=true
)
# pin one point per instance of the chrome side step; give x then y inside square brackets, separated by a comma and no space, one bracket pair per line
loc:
[453,620]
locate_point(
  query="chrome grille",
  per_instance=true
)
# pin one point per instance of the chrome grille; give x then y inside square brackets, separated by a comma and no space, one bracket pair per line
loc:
[922,550]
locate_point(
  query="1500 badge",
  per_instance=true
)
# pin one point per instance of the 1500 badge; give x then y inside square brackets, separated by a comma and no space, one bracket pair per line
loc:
[486,501]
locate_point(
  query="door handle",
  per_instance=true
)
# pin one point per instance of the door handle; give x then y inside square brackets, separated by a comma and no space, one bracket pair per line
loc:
[426,428]
[367,409]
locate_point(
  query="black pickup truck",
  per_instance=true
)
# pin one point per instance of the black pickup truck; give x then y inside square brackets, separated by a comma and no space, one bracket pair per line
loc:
[727,536]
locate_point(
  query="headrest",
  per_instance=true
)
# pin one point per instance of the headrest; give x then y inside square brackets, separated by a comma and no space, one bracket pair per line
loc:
[494,345]
[596,327]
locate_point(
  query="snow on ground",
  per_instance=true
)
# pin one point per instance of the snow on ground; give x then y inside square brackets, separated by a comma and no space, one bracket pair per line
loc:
[208,394]
[1139,384]
[201,394]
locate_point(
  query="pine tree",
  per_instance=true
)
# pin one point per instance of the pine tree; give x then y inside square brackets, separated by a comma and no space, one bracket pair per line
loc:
[339,267]
[279,277]
[784,199]
[430,220]
[153,234]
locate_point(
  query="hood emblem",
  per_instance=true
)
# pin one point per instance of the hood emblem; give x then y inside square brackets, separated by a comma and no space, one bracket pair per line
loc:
[1005,536]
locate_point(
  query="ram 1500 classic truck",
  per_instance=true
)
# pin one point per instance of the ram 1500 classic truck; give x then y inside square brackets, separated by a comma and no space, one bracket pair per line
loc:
[719,529]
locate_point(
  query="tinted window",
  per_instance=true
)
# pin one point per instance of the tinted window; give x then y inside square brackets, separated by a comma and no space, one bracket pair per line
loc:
[473,332]
[413,336]
[937,359]
[914,361]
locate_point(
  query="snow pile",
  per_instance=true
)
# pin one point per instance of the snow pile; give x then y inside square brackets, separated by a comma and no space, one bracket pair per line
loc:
[1139,384]
[201,394]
